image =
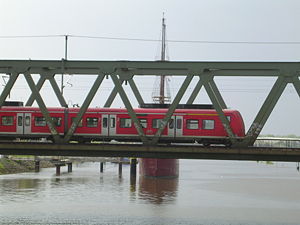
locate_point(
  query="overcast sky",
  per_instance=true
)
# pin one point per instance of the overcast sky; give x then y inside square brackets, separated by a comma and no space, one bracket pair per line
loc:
[214,20]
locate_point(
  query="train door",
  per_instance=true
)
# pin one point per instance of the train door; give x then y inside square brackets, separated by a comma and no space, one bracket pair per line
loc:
[108,125]
[23,123]
[20,123]
[171,127]
[179,126]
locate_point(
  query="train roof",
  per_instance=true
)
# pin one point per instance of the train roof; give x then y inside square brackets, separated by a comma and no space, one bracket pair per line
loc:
[111,110]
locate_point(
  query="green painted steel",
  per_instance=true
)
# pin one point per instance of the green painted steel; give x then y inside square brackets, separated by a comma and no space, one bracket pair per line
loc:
[154,151]
[43,108]
[172,108]
[195,92]
[218,103]
[136,92]
[112,96]
[12,79]
[84,107]
[120,71]
[129,108]
[58,92]
[39,86]
[265,111]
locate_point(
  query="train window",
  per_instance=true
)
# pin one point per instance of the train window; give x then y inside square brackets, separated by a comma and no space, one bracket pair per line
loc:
[91,122]
[56,121]
[208,124]
[104,122]
[192,124]
[178,124]
[143,123]
[7,120]
[157,123]
[27,121]
[171,124]
[228,117]
[125,122]
[39,121]
[80,122]
[20,120]
[112,122]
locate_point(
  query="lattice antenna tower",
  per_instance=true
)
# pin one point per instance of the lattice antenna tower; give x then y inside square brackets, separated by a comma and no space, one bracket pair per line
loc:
[161,90]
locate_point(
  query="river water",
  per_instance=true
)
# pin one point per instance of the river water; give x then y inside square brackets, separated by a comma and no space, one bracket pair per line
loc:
[206,192]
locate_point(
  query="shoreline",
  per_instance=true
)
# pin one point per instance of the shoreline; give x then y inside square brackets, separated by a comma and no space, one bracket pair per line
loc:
[11,166]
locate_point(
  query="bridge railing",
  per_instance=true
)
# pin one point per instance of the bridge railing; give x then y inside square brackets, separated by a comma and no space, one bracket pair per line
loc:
[277,142]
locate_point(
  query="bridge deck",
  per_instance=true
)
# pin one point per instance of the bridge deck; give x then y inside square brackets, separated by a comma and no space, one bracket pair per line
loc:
[191,151]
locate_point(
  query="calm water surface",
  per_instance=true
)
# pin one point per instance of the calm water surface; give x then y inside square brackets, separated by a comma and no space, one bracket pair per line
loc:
[207,192]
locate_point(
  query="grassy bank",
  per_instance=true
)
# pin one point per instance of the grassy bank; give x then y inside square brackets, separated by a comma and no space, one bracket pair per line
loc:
[8,166]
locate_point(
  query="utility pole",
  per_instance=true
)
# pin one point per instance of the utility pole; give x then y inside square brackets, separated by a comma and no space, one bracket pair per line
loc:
[163,58]
[66,58]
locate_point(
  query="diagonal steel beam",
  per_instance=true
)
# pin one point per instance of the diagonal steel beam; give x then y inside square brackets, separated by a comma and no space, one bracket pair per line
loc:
[112,95]
[136,91]
[132,114]
[265,111]
[172,108]
[39,86]
[42,107]
[195,92]
[12,79]
[84,107]
[58,92]
[217,93]
[217,103]
[296,83]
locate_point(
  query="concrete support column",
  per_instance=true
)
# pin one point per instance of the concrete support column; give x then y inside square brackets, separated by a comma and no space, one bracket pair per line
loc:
[69,167]
[101,167]
[133,163]
[37,166]
[120,166]
[57,170]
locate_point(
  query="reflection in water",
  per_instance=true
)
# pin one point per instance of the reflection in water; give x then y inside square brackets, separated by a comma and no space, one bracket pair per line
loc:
[158,190]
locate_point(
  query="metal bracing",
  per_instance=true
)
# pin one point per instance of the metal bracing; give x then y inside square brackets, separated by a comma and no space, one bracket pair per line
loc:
[217,101]
[84,107]
[39,86]
[12,79]
[172,108]
[112,95]
[195,92]
[136,92]
[120,71]
[129,107]
[58,92]
[43,107]
[296,83]
[265,111]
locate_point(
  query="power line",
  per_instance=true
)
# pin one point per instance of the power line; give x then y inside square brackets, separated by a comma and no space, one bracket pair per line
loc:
[156,40]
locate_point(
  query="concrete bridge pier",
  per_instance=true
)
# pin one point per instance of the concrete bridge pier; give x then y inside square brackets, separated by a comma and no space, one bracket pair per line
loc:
[37,166]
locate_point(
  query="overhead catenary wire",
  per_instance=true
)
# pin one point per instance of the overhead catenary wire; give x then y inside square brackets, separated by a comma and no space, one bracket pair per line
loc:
[153,40]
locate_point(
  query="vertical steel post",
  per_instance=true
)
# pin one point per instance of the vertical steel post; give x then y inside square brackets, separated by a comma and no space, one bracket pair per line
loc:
[12,79]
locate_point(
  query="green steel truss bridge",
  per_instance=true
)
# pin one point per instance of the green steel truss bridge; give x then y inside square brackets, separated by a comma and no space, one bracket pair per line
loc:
[124,72]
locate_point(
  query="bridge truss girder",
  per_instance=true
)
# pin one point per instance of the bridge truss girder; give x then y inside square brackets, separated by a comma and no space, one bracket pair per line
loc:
[124,71]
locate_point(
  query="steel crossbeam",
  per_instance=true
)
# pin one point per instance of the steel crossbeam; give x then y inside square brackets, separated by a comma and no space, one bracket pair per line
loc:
[125,71]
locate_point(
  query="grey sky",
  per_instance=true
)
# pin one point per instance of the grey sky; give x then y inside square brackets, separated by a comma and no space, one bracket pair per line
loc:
[215,20]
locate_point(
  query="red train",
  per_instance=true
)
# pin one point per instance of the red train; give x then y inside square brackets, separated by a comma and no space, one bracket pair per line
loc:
[186,125]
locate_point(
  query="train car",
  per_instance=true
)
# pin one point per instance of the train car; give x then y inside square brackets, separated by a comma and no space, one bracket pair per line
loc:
[105,124]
